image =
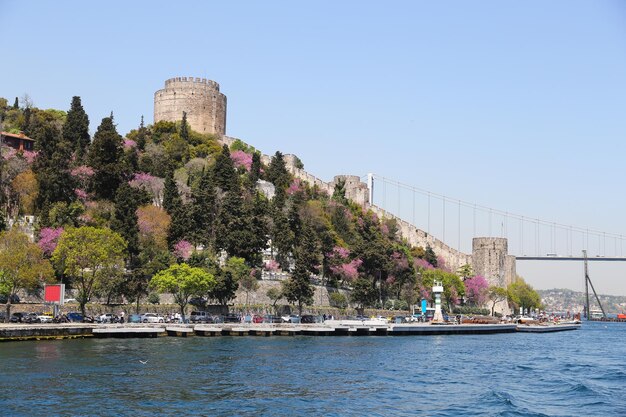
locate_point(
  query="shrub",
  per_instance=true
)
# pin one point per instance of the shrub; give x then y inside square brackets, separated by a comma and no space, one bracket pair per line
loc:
[154,298]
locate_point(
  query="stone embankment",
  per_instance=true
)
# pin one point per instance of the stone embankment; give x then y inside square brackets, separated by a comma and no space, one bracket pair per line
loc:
[21,332]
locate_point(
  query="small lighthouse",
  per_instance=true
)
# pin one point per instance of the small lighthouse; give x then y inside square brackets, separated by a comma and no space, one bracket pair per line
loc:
[438,290]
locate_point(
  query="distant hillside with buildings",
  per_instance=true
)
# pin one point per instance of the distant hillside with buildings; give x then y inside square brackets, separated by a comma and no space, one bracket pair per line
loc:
[574,301]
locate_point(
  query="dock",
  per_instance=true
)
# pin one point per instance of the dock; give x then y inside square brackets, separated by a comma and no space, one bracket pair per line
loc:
[356,328]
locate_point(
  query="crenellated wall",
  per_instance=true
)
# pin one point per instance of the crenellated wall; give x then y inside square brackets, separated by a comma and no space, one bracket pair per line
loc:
[199,97]
[489,256]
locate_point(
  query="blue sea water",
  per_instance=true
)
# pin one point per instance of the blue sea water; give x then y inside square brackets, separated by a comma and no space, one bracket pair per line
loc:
[576,373]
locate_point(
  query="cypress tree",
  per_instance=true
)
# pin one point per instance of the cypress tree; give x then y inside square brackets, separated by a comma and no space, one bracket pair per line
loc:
[231,223]
[298,288]
[141,136]
[203,209]
[181,227]
[16,104]
[277,171]
[255,169]
[224,170]
[125,217]
[171,197]
[52,166]
[184,128]
[430,256]
[104,157]
[76,128]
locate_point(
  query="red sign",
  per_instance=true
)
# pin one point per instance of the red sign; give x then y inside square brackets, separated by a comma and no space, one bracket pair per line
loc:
[53,293]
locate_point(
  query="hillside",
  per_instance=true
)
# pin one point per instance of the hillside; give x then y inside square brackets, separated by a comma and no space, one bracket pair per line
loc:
[574,301]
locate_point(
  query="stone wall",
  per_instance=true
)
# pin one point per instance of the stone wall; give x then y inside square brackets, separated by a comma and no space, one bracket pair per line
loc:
[199,97]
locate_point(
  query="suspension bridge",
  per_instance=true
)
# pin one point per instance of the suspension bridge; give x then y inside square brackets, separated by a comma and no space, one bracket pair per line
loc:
[455,222]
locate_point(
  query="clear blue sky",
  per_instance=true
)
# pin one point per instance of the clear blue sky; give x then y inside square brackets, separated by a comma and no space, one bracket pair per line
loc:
[519,106]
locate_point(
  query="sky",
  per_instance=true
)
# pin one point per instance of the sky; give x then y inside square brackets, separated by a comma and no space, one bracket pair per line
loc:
[518,106]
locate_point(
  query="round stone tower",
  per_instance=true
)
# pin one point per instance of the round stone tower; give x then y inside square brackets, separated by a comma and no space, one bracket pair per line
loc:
[199,97]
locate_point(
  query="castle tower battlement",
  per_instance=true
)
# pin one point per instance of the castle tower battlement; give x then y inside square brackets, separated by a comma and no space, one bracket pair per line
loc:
[199,97]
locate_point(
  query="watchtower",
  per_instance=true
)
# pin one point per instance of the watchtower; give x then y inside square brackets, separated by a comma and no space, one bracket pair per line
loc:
[199,98]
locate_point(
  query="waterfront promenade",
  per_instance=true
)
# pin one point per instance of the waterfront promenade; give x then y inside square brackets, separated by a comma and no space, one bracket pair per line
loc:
[14,332]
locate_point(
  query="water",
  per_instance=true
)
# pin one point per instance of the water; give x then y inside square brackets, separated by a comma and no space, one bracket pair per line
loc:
[578,373]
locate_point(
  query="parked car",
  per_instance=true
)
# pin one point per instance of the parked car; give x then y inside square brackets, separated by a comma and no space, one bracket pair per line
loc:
[134,318]
[272,319]
[74,317]
[293,318]
[31,318]
[107,318]
[201,317]
[308,318]
[231,318]
[17,317]
[257,319]
[45,318]
[152,318]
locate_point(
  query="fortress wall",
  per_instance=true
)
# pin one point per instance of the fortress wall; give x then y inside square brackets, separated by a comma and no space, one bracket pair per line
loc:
[199,97]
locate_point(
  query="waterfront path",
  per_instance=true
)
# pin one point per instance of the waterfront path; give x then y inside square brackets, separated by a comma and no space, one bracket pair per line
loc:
[9,332]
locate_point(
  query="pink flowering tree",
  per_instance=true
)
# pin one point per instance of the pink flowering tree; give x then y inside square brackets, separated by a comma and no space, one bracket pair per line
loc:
[82,174]
[441,264]
[477,290]
[422,264]
[295,187]
[30,156]
[241,159]
[129,144]
[183,250]
[153,185]
[48,239]
[271,266]
[81,194]
[341,266]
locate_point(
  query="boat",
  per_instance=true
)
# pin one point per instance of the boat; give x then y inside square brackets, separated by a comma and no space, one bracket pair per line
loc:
[547,327]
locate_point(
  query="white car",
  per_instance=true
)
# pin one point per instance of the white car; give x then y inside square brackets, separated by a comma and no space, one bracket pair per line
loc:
[152,318]
[44,318]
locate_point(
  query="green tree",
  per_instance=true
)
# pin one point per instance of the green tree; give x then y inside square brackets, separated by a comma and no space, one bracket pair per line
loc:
[277,172]
[339,193]
[203,209]
[497,295]
[453,288]
[523,295]
[363,293]
[16,104]
[76,128]
[183,282]
[127,201]
[338,300]
[275,294]
[89,256]
[248,284]
[224,171]
[184,128]
[298,289]
[255,169]
[52,168]
[465,271]
[104,157]
[181,227]
[22,266]
[171,196]
[430,256]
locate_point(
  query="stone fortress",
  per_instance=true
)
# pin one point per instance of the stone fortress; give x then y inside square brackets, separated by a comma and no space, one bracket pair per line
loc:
[199,98]
[206,113]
